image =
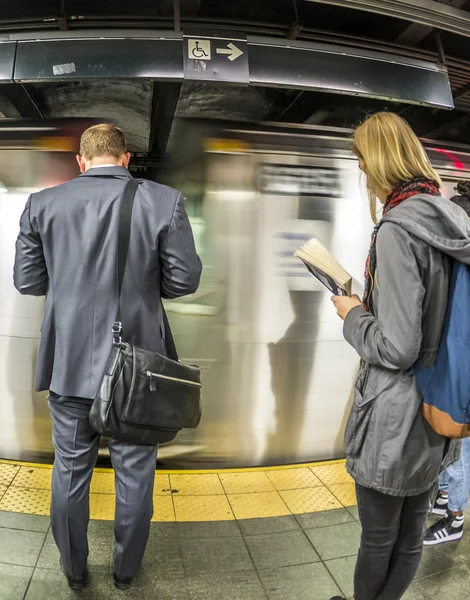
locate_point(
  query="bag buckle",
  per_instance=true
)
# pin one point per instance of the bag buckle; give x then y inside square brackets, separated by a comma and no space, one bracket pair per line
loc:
[117,333]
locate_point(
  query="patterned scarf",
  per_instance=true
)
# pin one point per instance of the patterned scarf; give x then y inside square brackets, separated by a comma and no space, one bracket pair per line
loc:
[402,191]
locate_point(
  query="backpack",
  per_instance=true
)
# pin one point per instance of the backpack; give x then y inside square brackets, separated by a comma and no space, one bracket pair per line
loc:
[445,386]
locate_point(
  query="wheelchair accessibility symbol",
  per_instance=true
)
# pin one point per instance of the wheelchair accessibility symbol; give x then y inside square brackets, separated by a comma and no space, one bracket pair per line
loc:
[199,49]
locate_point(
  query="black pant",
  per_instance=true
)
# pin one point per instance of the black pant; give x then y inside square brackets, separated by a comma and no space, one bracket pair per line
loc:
[391,545]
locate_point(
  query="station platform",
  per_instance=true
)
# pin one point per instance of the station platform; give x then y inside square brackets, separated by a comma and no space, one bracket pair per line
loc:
[279,533]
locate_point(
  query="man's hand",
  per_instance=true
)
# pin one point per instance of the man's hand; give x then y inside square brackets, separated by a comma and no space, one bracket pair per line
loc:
[344,304]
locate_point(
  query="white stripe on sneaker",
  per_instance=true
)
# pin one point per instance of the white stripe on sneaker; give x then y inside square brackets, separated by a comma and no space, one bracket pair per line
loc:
[449,538]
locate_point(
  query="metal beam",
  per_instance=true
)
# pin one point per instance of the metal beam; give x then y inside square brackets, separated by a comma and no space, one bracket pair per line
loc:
[297,25]
[62,21]
[17,101]
[413,35]
[312,109]
[424,12]
[164,102]
[62,17]
[305,108]
[463,91]
[189,8]
[75,56]
[295,30]
[460,121]
[424,121]
[416,32]
[357,72]
[440,47]
[177,14]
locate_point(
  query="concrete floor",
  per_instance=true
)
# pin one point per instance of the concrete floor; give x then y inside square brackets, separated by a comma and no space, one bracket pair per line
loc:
[302,557]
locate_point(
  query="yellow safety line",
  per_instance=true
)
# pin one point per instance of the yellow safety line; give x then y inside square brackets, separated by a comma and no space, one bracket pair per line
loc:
[20,463]
[196,495]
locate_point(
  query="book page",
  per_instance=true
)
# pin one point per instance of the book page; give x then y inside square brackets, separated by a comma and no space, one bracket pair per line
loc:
[327,281]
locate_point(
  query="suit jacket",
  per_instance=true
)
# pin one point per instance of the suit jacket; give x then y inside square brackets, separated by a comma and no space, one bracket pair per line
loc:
[66,250]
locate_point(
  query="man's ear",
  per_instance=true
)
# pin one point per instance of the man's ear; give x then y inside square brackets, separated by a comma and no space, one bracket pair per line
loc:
[81,163]
[125,159]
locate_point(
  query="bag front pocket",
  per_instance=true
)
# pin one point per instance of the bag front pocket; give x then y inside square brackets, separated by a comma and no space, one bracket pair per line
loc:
[359,417]
[154,379]
[160,401]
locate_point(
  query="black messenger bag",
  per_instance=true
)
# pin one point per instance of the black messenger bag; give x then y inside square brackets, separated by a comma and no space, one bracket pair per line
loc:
[144,398]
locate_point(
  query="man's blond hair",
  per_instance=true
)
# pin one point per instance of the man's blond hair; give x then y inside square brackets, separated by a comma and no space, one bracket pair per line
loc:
[102,140]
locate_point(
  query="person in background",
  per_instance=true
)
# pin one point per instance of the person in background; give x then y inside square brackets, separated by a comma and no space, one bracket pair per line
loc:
[66,251]
[454,483]
[393,454]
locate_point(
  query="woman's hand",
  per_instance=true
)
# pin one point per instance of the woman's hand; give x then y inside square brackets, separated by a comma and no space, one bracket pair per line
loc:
[344,304]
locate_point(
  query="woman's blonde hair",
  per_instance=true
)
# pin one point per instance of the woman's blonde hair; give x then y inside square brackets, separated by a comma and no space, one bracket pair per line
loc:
[392,154]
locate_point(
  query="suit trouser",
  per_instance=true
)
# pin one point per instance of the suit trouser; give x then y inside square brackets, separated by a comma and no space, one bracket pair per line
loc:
[76,449]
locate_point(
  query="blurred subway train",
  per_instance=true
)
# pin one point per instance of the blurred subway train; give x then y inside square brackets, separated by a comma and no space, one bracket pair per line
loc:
[277,374]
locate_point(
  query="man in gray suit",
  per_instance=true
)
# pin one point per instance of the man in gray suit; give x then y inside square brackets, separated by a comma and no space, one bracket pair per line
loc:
[66,250]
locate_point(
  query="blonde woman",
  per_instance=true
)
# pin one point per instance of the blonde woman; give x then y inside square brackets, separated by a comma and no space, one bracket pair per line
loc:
[393,454]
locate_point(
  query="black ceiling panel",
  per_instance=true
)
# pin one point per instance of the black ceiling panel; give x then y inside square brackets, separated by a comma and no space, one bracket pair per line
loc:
[26,9]
[261,13]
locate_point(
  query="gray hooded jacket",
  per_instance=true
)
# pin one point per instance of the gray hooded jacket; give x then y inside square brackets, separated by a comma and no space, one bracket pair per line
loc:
[389,445]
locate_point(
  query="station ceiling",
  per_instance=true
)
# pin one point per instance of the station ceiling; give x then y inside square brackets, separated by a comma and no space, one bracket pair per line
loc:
[345,17]
[133,104]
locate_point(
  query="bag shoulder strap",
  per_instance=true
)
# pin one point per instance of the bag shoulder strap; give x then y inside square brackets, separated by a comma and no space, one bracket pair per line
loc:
[124,234]
[170,346]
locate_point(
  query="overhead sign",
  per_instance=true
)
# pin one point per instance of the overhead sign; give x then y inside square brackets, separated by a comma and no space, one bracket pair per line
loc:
[216,57]
[232,51]
[199,49]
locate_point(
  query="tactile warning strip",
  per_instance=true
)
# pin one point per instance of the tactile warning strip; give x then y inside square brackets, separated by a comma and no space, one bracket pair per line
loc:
[30,502]
[345,492]
[310,500]
[195,495]
[8,473]
[28,477]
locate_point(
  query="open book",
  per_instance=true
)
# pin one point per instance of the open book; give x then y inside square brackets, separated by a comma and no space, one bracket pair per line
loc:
[325,267]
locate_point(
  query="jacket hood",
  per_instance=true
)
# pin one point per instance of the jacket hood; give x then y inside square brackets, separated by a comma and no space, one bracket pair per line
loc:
[437,221]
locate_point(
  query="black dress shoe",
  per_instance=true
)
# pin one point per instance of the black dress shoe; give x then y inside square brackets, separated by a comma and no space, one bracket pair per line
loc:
[337,598]
[77,583]
[122,583]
